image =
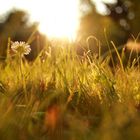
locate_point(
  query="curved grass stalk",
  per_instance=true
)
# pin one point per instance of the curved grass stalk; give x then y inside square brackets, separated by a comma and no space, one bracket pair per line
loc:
[118,55]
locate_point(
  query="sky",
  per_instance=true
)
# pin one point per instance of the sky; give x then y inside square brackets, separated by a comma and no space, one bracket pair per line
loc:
[59,18]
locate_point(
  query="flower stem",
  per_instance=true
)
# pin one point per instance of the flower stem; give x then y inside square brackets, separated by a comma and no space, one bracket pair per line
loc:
[22,77]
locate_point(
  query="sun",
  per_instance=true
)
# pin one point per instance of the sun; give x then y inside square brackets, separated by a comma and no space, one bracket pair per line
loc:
[57,18]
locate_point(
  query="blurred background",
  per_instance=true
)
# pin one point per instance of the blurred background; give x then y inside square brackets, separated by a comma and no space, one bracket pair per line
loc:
[40,22]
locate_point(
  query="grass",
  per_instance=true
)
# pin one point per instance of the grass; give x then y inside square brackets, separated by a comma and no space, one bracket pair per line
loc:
[61,96]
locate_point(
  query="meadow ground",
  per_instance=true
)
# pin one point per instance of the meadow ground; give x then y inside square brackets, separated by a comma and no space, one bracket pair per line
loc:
[61,96]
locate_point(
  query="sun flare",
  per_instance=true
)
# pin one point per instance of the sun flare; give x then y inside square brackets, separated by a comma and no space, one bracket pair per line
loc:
[57,18]
[60,19]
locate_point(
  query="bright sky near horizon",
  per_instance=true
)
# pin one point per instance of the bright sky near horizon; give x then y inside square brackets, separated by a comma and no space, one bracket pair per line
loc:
[57,18]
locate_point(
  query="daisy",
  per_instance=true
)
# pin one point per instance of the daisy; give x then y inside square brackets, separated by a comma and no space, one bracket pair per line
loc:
[21,48]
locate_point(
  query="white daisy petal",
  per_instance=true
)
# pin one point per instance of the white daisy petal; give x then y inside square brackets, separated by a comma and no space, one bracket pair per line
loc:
[21,47]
